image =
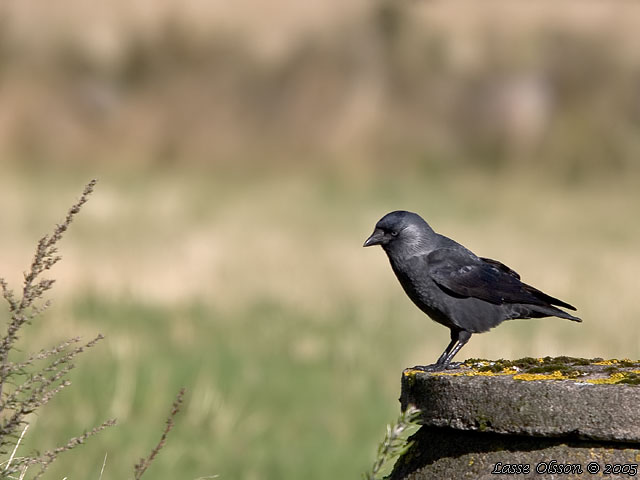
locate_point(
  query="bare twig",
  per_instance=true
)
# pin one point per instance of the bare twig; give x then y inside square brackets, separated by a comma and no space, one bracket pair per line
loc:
[45,257]
[27,385]
[144,463]
[49,457]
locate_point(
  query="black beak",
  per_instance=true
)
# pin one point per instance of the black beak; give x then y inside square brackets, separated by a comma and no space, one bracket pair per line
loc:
[375,238]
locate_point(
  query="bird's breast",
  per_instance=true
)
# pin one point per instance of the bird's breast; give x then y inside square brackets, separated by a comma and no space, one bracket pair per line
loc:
[421,289]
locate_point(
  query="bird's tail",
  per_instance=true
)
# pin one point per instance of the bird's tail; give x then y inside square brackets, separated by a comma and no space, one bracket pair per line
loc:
[550,311]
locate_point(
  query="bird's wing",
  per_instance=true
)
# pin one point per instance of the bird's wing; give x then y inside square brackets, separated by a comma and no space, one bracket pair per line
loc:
[501,266]
[462,274]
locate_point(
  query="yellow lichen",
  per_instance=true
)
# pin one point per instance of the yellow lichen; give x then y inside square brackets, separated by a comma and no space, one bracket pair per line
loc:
[476,373]
[557,375]
[478,369]
[447,374]
[612,379]
[509,371]
[613,361]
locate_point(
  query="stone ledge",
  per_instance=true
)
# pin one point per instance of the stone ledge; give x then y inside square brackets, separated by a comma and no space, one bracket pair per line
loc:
[551,397]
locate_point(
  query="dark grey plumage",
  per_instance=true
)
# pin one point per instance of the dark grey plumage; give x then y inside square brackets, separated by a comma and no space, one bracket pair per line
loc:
[464,292]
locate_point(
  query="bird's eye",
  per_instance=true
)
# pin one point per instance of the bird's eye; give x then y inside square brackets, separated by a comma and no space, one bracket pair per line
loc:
[394,233]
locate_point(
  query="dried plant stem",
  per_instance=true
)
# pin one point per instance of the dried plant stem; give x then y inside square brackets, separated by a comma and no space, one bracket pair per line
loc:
[24,472]
[104,463]
[394,443]
[50,456]
[15,449]
[144,463]
[46,256]
[27,385]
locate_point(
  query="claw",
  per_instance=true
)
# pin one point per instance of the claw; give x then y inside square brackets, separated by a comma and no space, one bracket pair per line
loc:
[437,367]
[429,368]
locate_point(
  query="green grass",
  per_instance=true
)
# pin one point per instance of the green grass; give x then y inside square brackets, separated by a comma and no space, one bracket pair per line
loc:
[272,393]
[254,293]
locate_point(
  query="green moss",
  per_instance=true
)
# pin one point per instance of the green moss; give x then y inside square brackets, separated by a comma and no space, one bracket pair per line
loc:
[631,378]
[498,366]
[483,423]
[558,368]
[565,365]
[627,363]
[570,360]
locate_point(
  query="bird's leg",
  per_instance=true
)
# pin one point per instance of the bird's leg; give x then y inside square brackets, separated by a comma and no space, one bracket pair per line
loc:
[459,339]
[441,363]
[463,338]
[454,339]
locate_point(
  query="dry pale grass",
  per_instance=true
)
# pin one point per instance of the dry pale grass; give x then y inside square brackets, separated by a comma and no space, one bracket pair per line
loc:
[255,292]
[103,28]
[180,239]
[423,82]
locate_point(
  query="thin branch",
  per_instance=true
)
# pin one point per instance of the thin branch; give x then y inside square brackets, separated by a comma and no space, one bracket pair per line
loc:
[49,457]
[45,257]
[144,463]
[29,383]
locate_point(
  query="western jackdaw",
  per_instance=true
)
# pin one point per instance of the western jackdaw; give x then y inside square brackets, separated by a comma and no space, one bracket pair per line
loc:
[464,292]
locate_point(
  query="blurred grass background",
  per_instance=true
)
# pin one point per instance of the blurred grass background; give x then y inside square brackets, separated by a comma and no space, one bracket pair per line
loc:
[244,154]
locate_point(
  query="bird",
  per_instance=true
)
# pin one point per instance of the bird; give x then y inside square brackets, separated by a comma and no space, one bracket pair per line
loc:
[456,288]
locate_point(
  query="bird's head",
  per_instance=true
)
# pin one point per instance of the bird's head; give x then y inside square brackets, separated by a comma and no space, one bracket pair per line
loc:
[400,228]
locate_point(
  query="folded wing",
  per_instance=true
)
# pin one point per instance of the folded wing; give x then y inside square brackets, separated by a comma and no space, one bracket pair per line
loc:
[462,274]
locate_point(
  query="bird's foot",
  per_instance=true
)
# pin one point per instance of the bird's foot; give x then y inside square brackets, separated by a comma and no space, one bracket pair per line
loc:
[454,365]
[437,367]
[434,367]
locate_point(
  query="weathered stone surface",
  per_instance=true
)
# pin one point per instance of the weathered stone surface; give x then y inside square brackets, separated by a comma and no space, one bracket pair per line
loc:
[440,453]
[536,418]
[558,406]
